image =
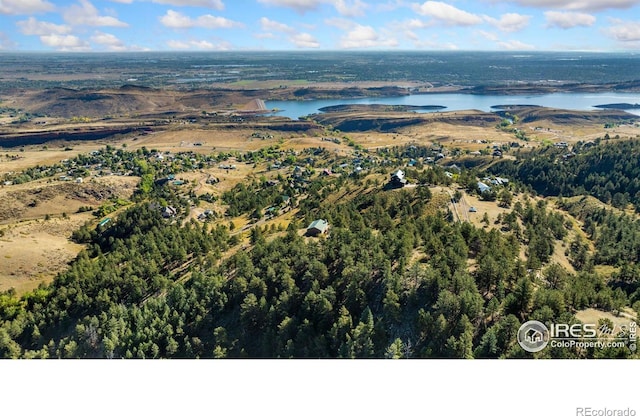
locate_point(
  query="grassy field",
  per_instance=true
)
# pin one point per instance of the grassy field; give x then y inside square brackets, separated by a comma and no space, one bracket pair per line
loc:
[35,251]
[37,221]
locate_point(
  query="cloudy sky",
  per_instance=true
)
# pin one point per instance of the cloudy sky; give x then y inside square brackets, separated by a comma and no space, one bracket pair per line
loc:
[163,25]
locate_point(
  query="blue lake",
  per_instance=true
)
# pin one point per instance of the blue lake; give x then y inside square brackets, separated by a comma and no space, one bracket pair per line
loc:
[457,102]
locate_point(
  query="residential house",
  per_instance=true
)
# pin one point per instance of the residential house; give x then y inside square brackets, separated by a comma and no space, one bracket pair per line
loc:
[317,227]
[398,179]
[168,212]
[483,187]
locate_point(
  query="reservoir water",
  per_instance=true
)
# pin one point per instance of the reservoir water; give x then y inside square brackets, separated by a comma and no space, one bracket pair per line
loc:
[458,102]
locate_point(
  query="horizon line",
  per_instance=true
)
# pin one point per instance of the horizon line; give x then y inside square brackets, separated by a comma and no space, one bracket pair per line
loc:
[524,51]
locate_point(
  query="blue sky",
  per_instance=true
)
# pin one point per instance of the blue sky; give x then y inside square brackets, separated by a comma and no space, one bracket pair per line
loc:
[173,25]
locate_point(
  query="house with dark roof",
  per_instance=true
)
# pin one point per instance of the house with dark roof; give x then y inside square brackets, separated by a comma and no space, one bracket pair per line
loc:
[168,212]
[317,227]
[398,179]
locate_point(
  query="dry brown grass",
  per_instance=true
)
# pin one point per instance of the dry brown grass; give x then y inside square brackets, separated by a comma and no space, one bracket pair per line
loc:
[35,251]
[35,155]
[35,200]
[591,316]
[560,258]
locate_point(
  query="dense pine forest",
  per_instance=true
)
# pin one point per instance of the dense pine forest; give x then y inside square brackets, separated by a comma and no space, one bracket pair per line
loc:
[395,277]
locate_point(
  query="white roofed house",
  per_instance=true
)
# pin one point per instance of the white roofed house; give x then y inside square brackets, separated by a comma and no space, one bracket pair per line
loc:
[483,187]
[398,179]
[317,227]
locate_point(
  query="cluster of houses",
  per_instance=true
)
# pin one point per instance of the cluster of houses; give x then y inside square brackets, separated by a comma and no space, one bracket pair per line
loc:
[495,181]
[170,179]
[206,215]
[261,135]
[111,162]
[227,167]
[570,155]
[283,205]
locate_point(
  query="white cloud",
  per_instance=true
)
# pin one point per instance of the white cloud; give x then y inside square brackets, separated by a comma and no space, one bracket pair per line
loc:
[365,37]
[86,14]
[391,5]
[177,20]
[446,13]
[515,45]
[178,44]
[510,22]
[210,4]
[414,24]
[32,26]
[408,28]
[202,44]
[567,20]
[584,5]
[411,35]
[271,25]
[197,44]
[624,31]
[344,7]
[300,40]
[264,36]
[25,6]
[65,42]
[410,24]
[488,35]
[304,40]
[353,8]
[109,41]
[301,6]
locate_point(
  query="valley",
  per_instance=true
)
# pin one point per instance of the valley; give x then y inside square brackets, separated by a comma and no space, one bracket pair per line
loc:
[148,222]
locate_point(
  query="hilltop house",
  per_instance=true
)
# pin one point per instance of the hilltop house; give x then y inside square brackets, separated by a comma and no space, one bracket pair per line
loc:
[398,179]
[317,227]
[498,181]
[483,187]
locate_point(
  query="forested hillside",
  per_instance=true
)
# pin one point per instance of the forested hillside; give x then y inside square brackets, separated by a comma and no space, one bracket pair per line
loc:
[608,170]
[395,277]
